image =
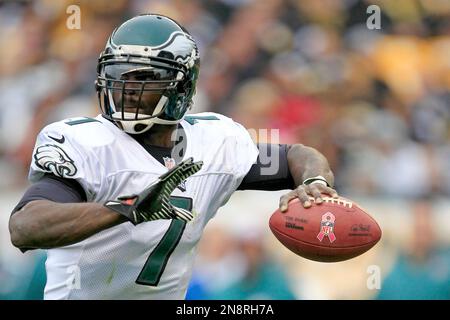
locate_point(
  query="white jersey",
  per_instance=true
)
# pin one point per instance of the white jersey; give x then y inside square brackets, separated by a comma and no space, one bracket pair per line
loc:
[152,260]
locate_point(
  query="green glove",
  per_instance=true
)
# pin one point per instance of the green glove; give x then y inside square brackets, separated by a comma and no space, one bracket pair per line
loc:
[154,202]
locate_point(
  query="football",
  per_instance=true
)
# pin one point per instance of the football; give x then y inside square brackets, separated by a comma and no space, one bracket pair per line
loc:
[336,230]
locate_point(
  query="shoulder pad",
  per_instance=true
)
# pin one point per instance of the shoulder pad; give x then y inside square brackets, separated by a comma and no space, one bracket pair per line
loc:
[82,131]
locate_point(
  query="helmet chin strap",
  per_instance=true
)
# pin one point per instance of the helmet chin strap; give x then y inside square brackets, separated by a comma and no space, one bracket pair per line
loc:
[130,126]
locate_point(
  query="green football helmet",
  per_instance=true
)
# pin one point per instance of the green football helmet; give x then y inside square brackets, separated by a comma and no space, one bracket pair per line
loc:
[147,73]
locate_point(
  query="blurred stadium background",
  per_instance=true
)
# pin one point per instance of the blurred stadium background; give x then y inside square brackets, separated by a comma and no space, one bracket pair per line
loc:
[375,102]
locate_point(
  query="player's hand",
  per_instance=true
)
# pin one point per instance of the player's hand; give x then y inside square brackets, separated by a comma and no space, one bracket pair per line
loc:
[154,202]
[304,192]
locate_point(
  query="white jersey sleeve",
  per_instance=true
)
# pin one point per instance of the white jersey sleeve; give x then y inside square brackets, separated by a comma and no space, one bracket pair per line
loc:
[58,151]
[241,150]
[226,146]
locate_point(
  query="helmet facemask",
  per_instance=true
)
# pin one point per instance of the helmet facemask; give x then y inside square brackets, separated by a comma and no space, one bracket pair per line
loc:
[135,94]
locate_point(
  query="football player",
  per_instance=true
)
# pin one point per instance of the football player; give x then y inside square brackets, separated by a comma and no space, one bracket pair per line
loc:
[120,201]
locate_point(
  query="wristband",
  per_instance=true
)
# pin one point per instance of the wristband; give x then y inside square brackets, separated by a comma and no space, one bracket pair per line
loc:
[317,179]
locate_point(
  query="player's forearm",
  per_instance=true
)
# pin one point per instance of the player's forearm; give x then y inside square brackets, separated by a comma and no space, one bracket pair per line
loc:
[306,162]
[45,224]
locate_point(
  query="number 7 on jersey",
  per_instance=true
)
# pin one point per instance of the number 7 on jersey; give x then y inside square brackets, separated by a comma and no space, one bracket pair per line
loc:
[156,263]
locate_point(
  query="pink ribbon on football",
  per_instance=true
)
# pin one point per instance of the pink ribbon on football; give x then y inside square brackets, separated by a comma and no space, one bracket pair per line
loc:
[326,227]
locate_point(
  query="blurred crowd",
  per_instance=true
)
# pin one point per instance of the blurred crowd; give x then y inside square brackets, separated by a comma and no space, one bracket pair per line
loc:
[376,102]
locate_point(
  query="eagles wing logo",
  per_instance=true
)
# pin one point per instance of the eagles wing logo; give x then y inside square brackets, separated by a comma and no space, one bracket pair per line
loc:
[53,159]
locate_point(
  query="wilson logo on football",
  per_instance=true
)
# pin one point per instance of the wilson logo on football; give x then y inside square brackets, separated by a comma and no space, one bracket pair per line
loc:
[52,158]
[327,227]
